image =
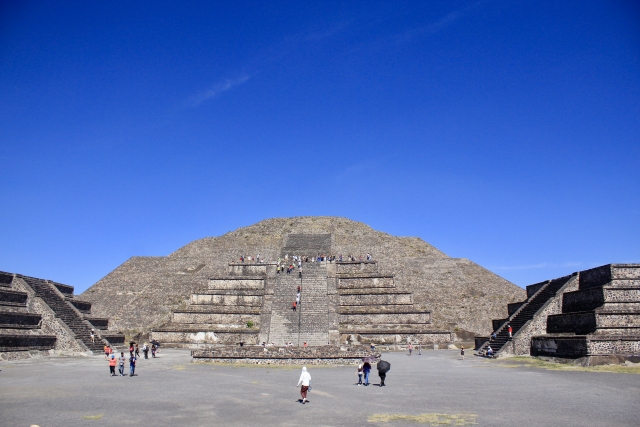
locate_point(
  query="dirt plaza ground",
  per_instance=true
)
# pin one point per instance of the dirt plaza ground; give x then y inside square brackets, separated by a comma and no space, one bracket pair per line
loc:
[436,388]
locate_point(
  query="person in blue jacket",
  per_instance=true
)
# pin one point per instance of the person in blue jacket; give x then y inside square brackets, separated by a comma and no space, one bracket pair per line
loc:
[366,368]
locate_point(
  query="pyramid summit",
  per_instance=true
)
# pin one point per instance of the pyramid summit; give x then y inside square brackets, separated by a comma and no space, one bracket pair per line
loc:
[417,282]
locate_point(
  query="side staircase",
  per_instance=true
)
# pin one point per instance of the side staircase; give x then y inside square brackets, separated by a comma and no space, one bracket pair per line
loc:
[523,312]
[59,298]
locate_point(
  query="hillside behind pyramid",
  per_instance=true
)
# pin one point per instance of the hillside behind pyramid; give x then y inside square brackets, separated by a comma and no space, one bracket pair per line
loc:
[142,292]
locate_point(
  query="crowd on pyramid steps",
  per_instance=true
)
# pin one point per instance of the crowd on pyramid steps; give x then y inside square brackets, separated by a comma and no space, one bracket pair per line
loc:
[134,356]
[295,261]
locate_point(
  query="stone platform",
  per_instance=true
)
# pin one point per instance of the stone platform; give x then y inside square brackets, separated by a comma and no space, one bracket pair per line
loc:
[318,355]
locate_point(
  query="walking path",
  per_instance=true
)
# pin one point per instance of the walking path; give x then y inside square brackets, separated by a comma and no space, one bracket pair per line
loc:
[172,391]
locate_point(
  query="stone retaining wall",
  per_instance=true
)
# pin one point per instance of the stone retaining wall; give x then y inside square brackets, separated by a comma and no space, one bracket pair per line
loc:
[227,300]
[347,267]
[197,338]
[284,355]
[245,269]
[240,283]
[366,282]
[385,318]
[398,338]
[216,318]
[375,299]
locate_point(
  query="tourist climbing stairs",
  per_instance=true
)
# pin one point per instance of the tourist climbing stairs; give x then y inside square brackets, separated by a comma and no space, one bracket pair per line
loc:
[525,313]
[65,311]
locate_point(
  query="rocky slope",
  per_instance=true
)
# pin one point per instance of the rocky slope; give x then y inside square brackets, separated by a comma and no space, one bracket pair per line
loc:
[462,295]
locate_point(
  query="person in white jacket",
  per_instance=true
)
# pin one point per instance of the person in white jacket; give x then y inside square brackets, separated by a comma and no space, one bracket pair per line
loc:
[305,380]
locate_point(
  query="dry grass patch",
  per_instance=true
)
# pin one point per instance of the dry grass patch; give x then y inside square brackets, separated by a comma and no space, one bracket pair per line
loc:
[93,417]
[522,361]
[432,419]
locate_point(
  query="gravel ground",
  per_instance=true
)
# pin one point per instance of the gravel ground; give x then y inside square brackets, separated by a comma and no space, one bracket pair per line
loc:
[172,391]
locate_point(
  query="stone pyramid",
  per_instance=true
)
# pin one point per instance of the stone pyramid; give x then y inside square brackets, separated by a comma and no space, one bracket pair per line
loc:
[143,292]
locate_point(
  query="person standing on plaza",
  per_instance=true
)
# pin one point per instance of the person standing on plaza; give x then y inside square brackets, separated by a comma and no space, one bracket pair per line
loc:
[360,374]
[462,351]
[383,368]
[145,350]
[137,352]
[132,365]
[410,347]
[366,368]
[305,381]
[130,349]
[121,362]
[112,365]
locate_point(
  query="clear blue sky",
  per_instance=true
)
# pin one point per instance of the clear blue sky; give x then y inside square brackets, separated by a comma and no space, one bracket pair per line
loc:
[506,132]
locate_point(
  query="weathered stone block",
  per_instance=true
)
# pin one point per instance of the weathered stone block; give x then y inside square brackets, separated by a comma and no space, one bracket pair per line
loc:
[245,269]
[375,299]
[226,300]
[357,282]
[385,318]
[239,283]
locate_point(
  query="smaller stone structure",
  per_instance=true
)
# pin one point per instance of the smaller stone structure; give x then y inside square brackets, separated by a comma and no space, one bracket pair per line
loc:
[592,316]
[599,321]
[40,317]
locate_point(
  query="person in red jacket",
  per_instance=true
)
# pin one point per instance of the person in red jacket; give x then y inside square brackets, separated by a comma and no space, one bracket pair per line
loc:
[510,330]
[112,365]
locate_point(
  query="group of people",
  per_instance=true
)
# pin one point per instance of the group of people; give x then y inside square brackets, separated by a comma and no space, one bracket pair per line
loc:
[364,369]
[297,260]
[134,355]
[489,352]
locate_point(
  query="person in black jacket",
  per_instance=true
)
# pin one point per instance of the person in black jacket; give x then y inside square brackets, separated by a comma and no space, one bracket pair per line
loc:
[383,368]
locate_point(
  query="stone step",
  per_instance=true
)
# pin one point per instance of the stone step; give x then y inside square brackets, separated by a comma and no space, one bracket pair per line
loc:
[365,282]
[17,342]
[609,348]
[11,297]
[217,318]
[385,318]
[237,283]
[592,298]
[374,299]
[226,300]
[583,323]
